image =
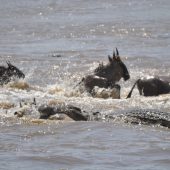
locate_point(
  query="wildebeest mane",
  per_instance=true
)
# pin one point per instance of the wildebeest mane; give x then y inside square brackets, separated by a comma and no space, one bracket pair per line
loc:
[101,70]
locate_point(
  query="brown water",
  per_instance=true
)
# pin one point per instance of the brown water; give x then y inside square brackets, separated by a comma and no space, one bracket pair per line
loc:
[83,33]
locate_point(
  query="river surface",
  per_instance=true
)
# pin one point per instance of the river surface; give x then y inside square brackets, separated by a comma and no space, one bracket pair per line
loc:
[83,33]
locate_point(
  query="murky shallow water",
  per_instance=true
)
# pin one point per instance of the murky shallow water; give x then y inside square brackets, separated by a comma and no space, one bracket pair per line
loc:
[83,33]
[84,146]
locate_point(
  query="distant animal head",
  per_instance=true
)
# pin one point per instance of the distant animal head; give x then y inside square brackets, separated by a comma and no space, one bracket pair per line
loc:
[14,71]
[114,70]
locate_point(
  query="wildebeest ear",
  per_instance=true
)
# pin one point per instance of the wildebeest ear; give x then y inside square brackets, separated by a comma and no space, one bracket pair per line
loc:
[110,59]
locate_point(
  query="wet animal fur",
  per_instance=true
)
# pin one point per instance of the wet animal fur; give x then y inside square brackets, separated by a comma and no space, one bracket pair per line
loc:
[106,76]
[151,87]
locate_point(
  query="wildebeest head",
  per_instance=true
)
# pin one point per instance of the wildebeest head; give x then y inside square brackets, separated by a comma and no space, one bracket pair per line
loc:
[14,71]
[114,70]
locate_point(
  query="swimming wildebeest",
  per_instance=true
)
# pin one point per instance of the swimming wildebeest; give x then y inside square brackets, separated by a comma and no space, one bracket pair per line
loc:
[151,86]
[106,76]
[6,73]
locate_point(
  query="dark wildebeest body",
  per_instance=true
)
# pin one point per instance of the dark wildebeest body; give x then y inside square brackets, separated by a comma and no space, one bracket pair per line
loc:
[151,87]
[6,73]
[106,76]
[92,80]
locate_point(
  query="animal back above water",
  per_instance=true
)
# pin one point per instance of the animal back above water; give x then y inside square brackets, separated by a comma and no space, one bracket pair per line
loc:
[106,76]
[7,73]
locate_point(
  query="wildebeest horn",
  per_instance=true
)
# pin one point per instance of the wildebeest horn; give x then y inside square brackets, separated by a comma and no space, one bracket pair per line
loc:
[117,55]
[114,56]
[117,52]
[110,59]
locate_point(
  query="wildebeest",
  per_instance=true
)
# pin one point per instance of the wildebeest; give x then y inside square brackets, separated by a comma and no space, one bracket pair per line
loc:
[6,73]
[151,86]
[106,76]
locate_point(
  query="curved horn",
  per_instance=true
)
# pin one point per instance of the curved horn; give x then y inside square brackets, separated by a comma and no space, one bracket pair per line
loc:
[117,52]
